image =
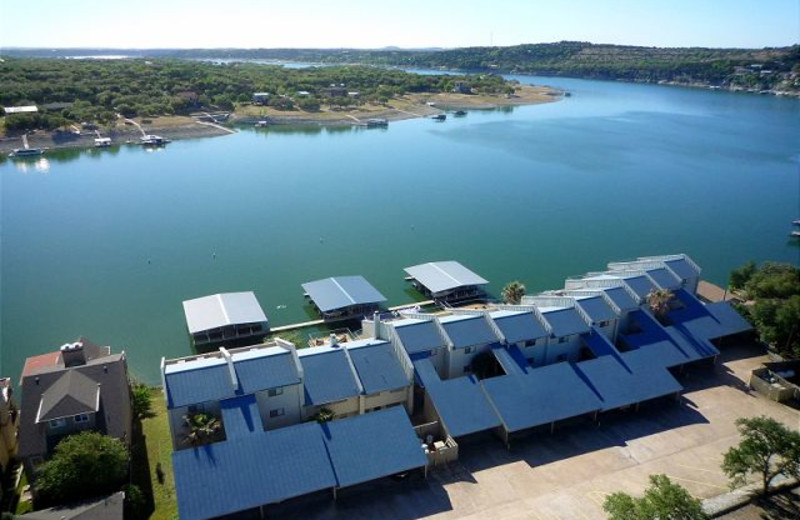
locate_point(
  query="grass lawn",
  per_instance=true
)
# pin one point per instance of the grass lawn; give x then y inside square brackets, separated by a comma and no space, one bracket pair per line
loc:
[23,506]
[159,449]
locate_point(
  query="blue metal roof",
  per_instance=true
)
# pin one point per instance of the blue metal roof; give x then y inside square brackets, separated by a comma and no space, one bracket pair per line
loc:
[695,346]
[199,381]
[240,416]
[682,268]
[252,470]
[198,385]
[596,308]
[599,344]
[466,331]
[419,336]
[640,285]
[508,362]
[328,377]
[729,319]
[565,322]
[698,320]
[618,385]
[257,373]
[621,298]
[545,395]
[460,402]
[664,278]
[517,327]
[378,367]
[374,445]
[341,292]
[648,330]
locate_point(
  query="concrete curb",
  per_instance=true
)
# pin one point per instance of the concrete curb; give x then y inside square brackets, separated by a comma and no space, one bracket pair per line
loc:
[740,497]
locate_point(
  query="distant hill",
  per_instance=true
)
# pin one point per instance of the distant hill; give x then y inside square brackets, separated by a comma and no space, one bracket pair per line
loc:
[774,69]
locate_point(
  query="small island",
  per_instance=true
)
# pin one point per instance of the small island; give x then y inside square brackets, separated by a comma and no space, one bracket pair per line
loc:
[60,103]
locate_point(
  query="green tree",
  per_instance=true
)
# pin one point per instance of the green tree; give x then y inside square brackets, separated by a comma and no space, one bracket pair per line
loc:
[774,280]
[659,300]
[83,465]
[141,401]
[325,415]
[513,292]
[663,500]
[768,449]
[742,275]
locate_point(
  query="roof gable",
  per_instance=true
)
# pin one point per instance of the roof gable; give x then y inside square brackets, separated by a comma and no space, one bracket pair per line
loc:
[519,327]
[378,368]
[419,336]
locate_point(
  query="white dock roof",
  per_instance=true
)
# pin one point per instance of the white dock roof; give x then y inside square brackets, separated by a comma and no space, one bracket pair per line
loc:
[221,310]
[444,276]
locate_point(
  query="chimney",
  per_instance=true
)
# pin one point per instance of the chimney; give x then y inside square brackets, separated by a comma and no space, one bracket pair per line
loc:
[231,369]
[376,325]
[334,340]
[72,354]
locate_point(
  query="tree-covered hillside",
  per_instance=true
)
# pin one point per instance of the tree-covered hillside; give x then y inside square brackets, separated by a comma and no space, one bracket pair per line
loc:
[97,90]
[758,69]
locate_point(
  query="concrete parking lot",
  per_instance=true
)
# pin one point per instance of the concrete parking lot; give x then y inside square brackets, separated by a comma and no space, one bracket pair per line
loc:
[567,475]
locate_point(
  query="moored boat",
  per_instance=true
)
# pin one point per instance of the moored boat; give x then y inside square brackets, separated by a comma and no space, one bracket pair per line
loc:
[376,123]
[460,113]
[439,117]
[153,140]
[102,142]
[26,152]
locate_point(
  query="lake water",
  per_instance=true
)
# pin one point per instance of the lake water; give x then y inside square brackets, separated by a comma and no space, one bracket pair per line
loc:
[107,244]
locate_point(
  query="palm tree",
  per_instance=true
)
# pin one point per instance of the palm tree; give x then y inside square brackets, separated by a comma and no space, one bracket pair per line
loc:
[658,300]
[513,292]
[202,428]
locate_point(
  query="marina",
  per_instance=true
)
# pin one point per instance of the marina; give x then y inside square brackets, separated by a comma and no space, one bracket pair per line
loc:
[502,192]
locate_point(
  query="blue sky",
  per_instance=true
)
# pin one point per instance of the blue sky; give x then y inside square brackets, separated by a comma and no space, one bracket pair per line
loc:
[407,23]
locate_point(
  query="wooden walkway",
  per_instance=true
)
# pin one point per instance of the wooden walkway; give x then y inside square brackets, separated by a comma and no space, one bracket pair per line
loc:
[713,293]
[316,323]
[293,326]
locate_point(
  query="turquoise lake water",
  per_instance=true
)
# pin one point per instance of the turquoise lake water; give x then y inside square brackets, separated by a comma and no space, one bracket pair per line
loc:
[107,244]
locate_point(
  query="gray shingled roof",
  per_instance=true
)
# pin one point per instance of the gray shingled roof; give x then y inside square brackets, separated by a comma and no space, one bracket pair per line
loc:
[113,416]
[73,393]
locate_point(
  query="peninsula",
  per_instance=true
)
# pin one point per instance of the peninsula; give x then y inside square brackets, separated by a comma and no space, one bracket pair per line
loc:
[71,102]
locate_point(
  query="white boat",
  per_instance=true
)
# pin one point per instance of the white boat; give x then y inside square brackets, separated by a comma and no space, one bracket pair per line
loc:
[376,123]
[102,142]
[26,152]
[153,140]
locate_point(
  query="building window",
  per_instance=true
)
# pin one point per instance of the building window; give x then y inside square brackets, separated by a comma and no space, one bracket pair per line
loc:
[467,369]
[278,412]
[469,350]
[58,423]
[605,323]
[530,343]
[563,339]
[81,418]
[275,391]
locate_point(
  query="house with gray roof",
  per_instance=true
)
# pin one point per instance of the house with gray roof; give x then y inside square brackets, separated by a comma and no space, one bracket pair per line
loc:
[80,387]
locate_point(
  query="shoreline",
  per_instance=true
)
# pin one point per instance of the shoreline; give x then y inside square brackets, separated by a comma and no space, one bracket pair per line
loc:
[410,106]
